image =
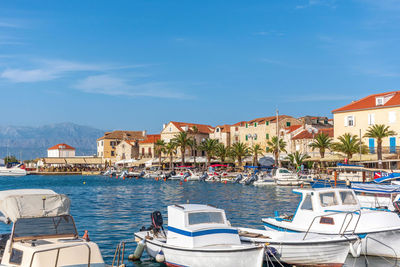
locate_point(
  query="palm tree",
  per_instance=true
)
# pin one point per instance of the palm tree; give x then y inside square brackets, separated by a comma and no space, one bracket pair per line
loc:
[322,142]
[159,148]
[222,152]
[209,146]
[378,132]
[255,150]
[274,146]
[170,149]
[349,145]
[182,141]
[193,144]
[297,158]
[238,151]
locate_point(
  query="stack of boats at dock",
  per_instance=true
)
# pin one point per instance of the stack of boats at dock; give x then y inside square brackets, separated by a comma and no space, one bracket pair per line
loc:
[328,225]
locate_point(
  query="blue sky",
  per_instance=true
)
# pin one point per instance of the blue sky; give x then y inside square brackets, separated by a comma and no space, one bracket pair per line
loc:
[138,64]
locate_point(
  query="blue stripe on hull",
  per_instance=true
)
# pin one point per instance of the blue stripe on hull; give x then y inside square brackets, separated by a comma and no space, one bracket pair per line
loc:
[281,229]
[204,232]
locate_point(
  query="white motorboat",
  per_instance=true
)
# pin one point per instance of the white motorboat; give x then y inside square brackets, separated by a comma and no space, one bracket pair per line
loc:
[17,169]
[264,179]
[44,232]
[379,196]
[197,236]
[337,211]
[283,176]
[294,249]
[153,175]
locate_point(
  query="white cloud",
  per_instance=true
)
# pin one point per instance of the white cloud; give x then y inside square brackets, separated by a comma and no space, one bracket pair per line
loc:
[111,85]
[27,76]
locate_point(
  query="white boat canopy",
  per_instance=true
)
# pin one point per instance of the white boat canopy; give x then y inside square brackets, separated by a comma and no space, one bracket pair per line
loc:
[32,203]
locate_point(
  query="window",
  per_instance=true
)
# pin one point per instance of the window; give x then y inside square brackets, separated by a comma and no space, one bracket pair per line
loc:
[347,198]
[205,217]
[288,124]
[328,199]
[255,124]
[170,129]
[236,129]
[112,153]
[349,121]
[247,125]
[102,143]
[217,130]
[283,171]
[16,256]
[307,204]
[379,101]
[325,121]
[392,116]
[267,136]
[247,138]
[267,123]
[101,153]
[371,119]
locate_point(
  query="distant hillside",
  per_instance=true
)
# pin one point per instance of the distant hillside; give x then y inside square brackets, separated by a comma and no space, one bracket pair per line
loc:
[32,142]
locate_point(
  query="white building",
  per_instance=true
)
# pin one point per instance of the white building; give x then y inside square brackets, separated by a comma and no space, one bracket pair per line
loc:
[61,151]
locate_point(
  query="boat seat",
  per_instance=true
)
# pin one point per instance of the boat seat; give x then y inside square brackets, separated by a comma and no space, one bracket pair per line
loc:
[3,242]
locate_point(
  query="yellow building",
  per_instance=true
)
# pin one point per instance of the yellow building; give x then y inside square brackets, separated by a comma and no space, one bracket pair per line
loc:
[222,133]
[107,145]
[358,116]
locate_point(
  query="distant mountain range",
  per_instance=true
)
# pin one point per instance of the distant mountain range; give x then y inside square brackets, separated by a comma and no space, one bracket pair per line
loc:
[33,142]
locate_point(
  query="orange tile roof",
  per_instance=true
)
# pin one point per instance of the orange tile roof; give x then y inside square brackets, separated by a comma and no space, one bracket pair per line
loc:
[201,127]
[369,102]
[224,128]
[151,139]
[293,128]
[307,135]
[120,135]
[61,146]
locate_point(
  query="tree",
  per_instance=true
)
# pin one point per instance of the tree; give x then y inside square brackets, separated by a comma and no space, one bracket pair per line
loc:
[159,148]
[274,146]
[193,144]
[222,152]
[209,146]
[378,132]
[297,158]
[255,151]
[182,140]
[10,158]
[349,145]
[170,149]
[238,151]
[322,142]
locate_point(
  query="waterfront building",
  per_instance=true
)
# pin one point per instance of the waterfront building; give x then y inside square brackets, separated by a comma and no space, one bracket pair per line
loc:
[301,138]
[357,116]
[173,128]
[107,144]
[61,151]
[146,147]
[223,134]
[127,149]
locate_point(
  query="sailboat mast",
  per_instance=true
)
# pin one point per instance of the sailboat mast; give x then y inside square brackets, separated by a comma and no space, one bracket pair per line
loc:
[277,135]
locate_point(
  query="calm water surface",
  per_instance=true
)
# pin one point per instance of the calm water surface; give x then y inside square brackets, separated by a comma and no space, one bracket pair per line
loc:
[113,209]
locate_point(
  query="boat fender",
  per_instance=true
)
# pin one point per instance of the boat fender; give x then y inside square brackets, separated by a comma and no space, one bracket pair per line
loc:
[271,251]
[355,248]
[138,251]
[160,257]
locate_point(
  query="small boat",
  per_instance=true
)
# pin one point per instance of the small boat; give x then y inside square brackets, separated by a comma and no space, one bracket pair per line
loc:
[294,249]
[283,176]
[44,232]
[13,169]
[336,211]
[379,196]
[197,236]
[264,179]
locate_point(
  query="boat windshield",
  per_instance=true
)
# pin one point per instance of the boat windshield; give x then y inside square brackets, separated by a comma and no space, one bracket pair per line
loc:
[44,227]
[283,171]
[328,199]
[205,217]
[348,198]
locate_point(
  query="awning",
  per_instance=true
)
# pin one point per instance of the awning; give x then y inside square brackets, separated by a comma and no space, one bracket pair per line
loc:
[97,161]
[33,203]
[125,161]
[54,161]
[140,162]
[75,161]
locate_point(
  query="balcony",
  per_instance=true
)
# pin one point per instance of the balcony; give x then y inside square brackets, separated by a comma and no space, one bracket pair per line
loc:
[385,150]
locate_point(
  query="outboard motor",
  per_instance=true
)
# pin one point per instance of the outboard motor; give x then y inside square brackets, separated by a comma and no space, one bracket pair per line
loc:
[238,178]
[157,222]
[396,205]
[186,175]
[204,176]
[251,180]
[142,174]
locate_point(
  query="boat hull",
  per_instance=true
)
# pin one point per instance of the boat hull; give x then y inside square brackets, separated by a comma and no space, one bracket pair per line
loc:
[244,255]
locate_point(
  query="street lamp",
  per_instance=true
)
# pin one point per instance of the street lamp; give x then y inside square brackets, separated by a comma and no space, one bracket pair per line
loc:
[312,131]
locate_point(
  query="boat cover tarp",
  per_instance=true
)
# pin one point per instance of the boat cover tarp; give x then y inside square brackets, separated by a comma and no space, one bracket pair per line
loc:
[33,203]
[1,162]
[376,188]
[390,176]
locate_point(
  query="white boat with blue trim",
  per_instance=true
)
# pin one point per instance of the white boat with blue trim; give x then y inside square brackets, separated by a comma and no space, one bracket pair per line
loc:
[336,211]
[197,236]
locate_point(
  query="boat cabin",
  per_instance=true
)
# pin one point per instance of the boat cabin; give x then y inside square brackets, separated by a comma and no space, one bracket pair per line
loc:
[43,231]
[194,225]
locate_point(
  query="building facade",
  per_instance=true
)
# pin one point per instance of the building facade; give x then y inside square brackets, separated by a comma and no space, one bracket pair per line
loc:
[147,146]
[61,151]
[356,117]
[222,133]
[107,145]
[127,149]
